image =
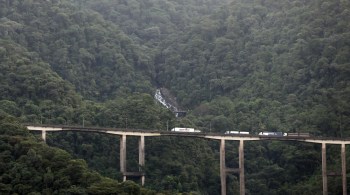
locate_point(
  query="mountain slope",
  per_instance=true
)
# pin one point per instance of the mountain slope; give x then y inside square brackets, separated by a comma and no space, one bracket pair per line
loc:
[282,68]
[250,65]
[83,48]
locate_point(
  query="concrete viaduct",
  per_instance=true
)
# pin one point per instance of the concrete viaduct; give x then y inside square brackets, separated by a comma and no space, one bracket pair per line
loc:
[221,137]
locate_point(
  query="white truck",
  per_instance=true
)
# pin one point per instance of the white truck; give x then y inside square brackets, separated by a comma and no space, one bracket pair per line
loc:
[237,132]
[277,134]
[184,129]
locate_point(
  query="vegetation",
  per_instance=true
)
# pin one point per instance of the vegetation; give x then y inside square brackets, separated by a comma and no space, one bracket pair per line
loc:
[28,166]
[249,65]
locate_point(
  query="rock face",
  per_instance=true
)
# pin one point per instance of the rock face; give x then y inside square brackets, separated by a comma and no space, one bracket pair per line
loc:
[164,97]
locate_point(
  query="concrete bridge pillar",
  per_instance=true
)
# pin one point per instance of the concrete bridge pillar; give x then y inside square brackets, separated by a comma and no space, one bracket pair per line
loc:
[123,156]
[241,168]
[343,165]
[123,169]
[43,135]
[222,167]
[224,170]
[324,169]
[142,157]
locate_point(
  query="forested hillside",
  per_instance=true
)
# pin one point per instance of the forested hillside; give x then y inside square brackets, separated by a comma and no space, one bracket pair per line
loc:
[249,65]
[270,65]
[28,166]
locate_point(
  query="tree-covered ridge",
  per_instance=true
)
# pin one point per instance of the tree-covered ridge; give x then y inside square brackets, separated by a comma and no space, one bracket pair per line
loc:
[153,21]
[82,47]
[24,76]
[30,89]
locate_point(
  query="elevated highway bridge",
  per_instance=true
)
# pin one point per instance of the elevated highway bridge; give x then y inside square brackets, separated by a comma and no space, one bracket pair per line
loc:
[214,136]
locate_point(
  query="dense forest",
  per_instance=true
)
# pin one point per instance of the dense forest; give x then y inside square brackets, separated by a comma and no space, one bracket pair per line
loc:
[28,166]
[248,65]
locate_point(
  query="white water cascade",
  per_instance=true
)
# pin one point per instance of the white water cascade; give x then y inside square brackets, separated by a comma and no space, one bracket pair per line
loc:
[158,96]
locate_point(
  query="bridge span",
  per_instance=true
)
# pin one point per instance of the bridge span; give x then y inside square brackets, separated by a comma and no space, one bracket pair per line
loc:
[215,136]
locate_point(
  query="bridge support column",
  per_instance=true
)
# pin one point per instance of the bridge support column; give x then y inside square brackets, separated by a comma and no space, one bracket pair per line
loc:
[241,168]
[343,165]
[324,169]
[142,157]
[123,156]
[222,167]
[43,135]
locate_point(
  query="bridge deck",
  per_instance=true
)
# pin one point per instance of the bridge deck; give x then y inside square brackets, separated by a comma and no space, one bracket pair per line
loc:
[233,137]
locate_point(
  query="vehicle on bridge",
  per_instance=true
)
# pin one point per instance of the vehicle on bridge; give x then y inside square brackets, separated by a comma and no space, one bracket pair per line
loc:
[237,132]
[181,129]
[280,134]
[277,134]
[299,134]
